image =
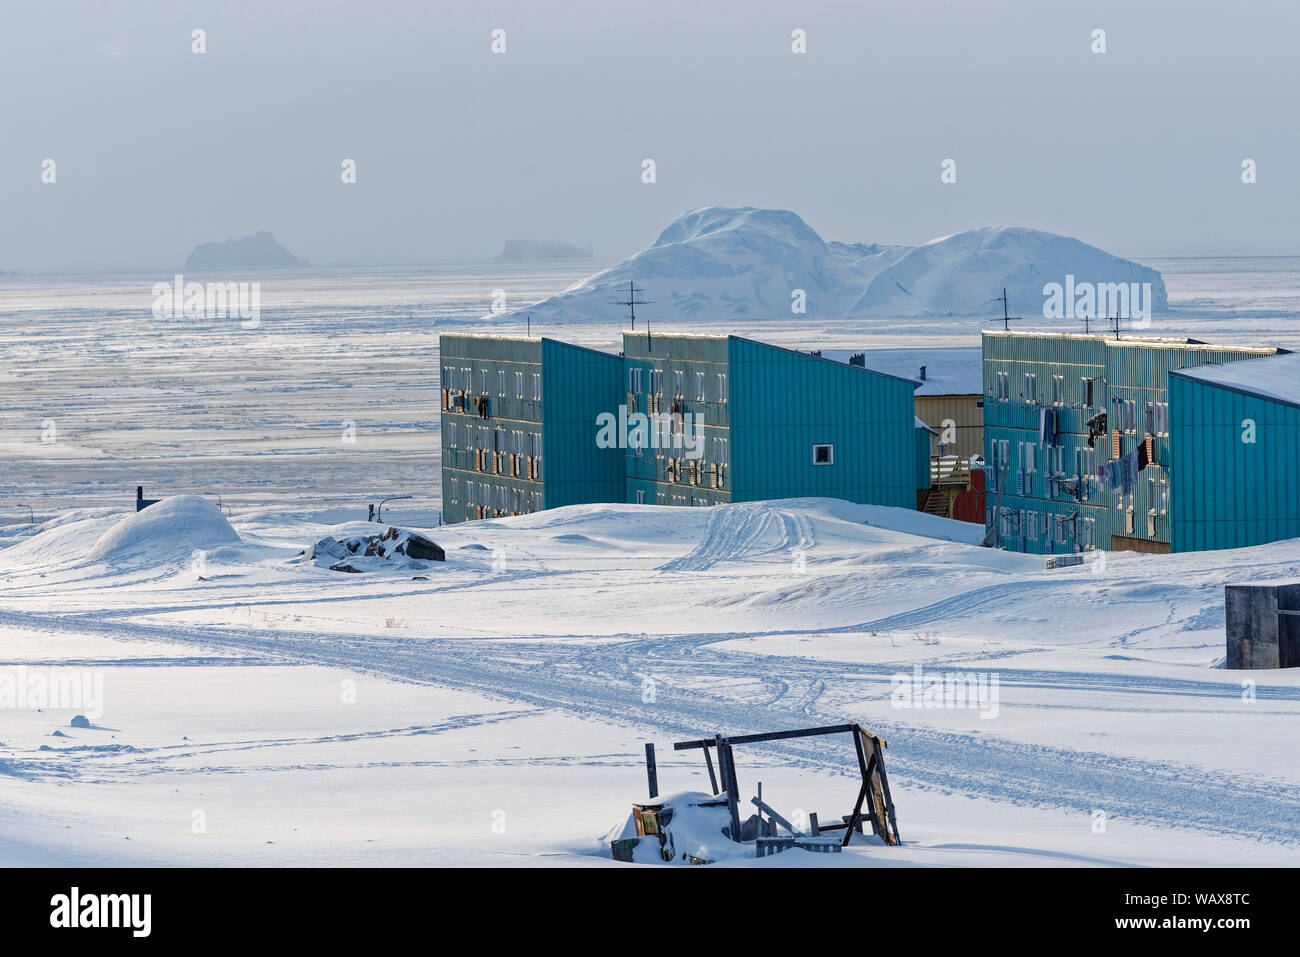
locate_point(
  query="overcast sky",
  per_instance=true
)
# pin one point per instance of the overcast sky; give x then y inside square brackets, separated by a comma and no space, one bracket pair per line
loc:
[157,148]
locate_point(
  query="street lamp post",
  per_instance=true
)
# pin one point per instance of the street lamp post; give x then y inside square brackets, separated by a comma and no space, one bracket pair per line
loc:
[379,517]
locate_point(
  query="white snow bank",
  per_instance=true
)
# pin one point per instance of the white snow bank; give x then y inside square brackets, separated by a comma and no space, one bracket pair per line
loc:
[730,263]
[172,528]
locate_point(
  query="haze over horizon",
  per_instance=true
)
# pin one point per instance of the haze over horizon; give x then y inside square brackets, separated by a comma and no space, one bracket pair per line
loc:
[1137,151]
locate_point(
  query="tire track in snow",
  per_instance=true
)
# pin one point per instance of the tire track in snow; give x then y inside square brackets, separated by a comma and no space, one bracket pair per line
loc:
[981,765]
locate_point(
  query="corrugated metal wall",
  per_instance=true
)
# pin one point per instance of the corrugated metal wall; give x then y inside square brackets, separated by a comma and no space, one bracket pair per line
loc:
[964,411]
[784,402]
[1231,493]
[578,385]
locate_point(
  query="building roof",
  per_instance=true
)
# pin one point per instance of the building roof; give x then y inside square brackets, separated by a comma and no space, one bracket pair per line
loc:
[948,371]
[1276,378]
[1130,340]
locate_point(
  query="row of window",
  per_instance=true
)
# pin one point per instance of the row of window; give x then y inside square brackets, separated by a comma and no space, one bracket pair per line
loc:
[1092,391]
[487,495]
[1092,394]
[1085,472]
[1155,417]
[636,379]
[489,439]
[462,380]
[1031,525]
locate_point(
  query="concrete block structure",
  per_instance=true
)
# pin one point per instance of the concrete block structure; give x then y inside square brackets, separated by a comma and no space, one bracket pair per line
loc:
[1263,625]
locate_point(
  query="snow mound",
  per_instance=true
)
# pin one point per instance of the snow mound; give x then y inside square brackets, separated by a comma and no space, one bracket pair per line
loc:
[724,262]
[174,527]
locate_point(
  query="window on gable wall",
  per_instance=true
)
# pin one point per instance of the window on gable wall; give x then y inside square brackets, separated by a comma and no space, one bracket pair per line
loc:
[722,387]
[699,386]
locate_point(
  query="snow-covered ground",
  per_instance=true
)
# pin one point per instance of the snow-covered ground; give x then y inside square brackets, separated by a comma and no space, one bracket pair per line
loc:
[493,709]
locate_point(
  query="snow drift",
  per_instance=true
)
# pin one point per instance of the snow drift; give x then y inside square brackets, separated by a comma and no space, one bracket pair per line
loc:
[745,262]
[172,528]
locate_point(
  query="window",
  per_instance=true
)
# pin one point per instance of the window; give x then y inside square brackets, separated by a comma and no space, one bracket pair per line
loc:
[501,382]
[699,386]
[1030,527]
[537,386]
[1162,418]
[679,378]
[1030,465]
[722,387]
[451,490]
[534,444]
[823,454]
[1158,494]
[1004,387]
[640,496]
[1085,390]
[519,385]
[656,381]
[1058,390]
[483,380]
[634,380]
[1031,387]
[1088,538]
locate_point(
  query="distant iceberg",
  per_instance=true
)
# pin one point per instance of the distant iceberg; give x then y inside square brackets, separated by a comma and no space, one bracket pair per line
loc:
[722,262]
[256,251]
[541,250]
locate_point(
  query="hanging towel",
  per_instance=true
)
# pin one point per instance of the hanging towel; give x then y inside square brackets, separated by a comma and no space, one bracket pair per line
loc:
[1046,426]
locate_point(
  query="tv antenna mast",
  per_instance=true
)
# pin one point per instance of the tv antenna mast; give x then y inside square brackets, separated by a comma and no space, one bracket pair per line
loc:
[632,302]
[1006,319]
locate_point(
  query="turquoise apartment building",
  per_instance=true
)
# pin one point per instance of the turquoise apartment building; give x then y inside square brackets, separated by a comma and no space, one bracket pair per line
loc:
[1059,405]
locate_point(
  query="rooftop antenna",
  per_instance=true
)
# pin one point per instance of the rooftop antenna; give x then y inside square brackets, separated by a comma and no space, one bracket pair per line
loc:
[1115,319]
[1006,319]
[632,302]
[530,325]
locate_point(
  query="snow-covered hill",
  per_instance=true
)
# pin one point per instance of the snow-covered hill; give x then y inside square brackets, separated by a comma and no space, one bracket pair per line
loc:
[391,717]
[721,262]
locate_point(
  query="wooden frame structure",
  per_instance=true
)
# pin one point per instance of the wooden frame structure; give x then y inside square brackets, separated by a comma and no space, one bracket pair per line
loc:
[873,804]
